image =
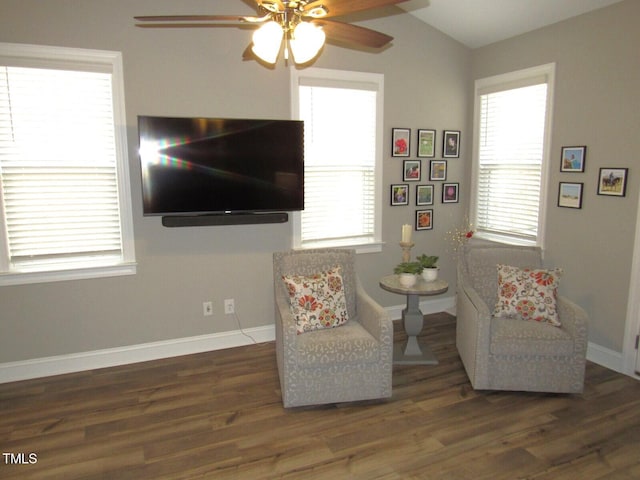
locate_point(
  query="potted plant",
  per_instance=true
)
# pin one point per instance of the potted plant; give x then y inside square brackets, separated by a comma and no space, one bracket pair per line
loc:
[429,268]
[407,273]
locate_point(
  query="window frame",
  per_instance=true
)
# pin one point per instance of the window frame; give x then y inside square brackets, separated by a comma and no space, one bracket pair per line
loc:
[502,82]
[343,78]
[52,57]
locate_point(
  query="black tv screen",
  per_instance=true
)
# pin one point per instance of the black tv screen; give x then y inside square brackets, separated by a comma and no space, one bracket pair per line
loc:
[220,165]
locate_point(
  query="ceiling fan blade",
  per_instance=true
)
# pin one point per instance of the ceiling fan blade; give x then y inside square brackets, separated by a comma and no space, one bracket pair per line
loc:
[342,7]
[191,18]
[353,34]
[187,25]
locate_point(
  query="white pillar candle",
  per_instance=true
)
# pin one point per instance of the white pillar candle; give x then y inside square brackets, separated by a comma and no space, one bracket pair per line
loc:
[406,233]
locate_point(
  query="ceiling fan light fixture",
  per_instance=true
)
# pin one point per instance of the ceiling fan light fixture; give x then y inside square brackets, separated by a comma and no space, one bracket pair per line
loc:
[267,41]
[306,41]
[290,26]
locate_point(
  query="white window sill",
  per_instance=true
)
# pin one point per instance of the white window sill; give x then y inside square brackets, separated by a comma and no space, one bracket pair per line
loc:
[506,239]
[368,247]
[24,278]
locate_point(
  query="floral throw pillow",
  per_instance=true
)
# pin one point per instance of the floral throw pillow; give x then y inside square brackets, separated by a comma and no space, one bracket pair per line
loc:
[530,294]
[317,301]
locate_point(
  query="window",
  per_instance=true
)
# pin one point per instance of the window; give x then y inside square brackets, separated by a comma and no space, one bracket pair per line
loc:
[65,208]
[343,116]
[511,155]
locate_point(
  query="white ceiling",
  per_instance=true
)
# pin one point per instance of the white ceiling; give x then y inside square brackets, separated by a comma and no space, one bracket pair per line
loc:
[476,23]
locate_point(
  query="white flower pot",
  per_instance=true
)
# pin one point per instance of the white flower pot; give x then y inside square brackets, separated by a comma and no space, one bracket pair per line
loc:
[407,279]
[430,274]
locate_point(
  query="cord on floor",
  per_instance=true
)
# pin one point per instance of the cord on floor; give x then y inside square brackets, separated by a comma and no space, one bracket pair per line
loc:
[235,315]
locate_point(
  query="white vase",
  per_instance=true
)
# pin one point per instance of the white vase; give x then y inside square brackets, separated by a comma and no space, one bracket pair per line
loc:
[430,274]
[407,279]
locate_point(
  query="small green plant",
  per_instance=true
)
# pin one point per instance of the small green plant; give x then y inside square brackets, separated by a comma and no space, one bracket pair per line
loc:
[408,267]
[428,261]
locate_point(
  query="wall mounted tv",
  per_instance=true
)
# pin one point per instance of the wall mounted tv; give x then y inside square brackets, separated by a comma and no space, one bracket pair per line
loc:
[215,167]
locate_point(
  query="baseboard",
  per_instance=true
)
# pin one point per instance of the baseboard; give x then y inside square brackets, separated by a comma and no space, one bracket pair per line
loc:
[111,357]
[604,356]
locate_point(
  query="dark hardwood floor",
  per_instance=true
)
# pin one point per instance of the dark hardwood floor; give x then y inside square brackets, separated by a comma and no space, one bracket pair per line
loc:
[218,415]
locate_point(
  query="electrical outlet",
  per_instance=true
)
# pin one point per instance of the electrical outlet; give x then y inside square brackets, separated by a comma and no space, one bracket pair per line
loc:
[207,309]
[229,306]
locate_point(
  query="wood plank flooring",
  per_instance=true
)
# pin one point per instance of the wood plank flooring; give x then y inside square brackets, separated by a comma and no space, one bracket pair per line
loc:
[218,415]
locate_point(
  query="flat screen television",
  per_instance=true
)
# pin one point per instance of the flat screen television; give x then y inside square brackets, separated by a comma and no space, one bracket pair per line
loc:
[200,166]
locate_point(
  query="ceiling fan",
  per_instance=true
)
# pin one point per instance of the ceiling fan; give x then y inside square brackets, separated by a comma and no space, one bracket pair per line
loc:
[301,25]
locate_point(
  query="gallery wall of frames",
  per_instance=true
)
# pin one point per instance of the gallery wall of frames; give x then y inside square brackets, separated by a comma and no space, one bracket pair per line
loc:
[420,193]
[612,181]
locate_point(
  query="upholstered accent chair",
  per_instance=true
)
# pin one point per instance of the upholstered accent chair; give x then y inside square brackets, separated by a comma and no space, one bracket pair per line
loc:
[506,353]
[346,363]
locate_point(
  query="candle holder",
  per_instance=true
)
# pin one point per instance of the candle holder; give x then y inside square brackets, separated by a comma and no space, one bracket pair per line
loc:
[406,251]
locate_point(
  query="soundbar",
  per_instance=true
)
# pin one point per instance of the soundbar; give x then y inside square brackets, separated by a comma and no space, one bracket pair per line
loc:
[224,219]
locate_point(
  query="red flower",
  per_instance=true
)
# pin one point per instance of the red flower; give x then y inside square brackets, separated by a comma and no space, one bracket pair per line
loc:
[543,278]
[309,303]
[508,290]
[469,234]
[401,145]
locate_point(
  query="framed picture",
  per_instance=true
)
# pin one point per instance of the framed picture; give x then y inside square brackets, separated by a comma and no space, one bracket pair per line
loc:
[400,142]
[424,195]
[572,159]
[450,192]
[426,143]
[438,170]
[399,194]
[570,195]
[411,170]
[424,219]
[613,181]
[451,144]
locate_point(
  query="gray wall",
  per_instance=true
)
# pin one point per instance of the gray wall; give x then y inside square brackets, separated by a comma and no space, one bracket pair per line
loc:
[200,72]
[428,80]
[597,104]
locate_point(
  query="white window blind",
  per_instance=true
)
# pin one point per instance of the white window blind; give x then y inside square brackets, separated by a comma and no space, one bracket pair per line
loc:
[59,179]
[510,163]
[341,167]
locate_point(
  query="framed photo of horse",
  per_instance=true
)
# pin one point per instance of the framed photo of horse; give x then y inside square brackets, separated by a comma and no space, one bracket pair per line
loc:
[613,182]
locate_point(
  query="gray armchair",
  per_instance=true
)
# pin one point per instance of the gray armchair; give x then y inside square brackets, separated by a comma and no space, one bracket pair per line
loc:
[510,354]
[331,365]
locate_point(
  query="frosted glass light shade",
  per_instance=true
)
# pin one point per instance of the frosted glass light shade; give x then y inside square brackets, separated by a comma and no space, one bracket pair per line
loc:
[306,42]
[267,40]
